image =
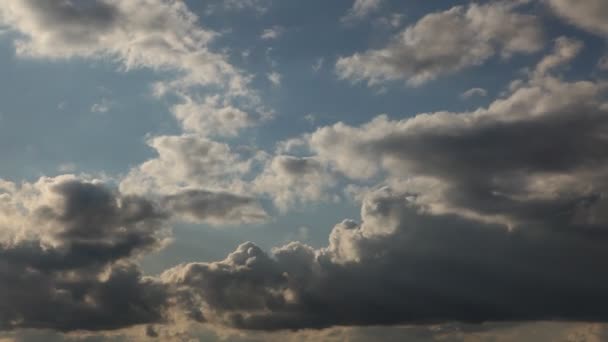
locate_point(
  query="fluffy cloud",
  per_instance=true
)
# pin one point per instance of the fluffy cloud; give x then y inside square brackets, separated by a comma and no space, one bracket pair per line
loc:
[69,249]
[186,161]
[446,42]
[152,34]
[589,15]
[67,264]
[290,180]
[211,117]
[198,180]
[526,157]
[490,215]
[425,268]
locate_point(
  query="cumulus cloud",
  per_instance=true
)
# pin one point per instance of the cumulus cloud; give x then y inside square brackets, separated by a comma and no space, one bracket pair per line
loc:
[497,214]
[198,179]
[490,215]
[526,157]
[67,263]
[589,15]
[69,249]
[186,161]
[211,117]
[426,268]
[291,180]
[446,42]
[160,35]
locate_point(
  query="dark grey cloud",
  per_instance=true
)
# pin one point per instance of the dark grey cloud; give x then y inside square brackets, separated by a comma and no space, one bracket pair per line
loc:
[75,271]
[214,207]
[424,269]
[75,21]
[69,259]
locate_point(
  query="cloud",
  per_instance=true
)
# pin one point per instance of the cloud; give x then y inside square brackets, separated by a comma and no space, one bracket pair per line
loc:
[425,268]
[215,207]
[564,51]
[186,161]
[524,158]
[473,92]
[445,42]
[260,6]
[69,250]
[485,216]
[67,262]
[275,78]
[102,107]
[589,15]
[272,33]
[211,117]
[197,180]
[155,34]
[361,9]
[290,180]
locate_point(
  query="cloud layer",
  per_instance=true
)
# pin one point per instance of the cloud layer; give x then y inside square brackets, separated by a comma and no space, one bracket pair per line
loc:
[493,214]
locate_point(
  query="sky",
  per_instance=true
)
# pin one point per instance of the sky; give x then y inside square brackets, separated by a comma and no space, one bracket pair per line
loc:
[265,170]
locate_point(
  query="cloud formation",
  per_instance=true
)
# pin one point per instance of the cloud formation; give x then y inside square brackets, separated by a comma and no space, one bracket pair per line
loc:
[291,180]
[495,214]
[589,15]
[492,215]
[445,42]
[425,269]
[156,34]
[523,159]
[67,262]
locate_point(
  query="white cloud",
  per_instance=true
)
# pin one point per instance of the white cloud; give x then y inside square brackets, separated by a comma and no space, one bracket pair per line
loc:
[152,34]
[275,78]
[446,42]
[186,162]
[212,117]
[272,33]
[290,180]
[473,92]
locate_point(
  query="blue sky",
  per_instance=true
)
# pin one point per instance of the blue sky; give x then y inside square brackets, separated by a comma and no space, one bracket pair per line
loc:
[306,141]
